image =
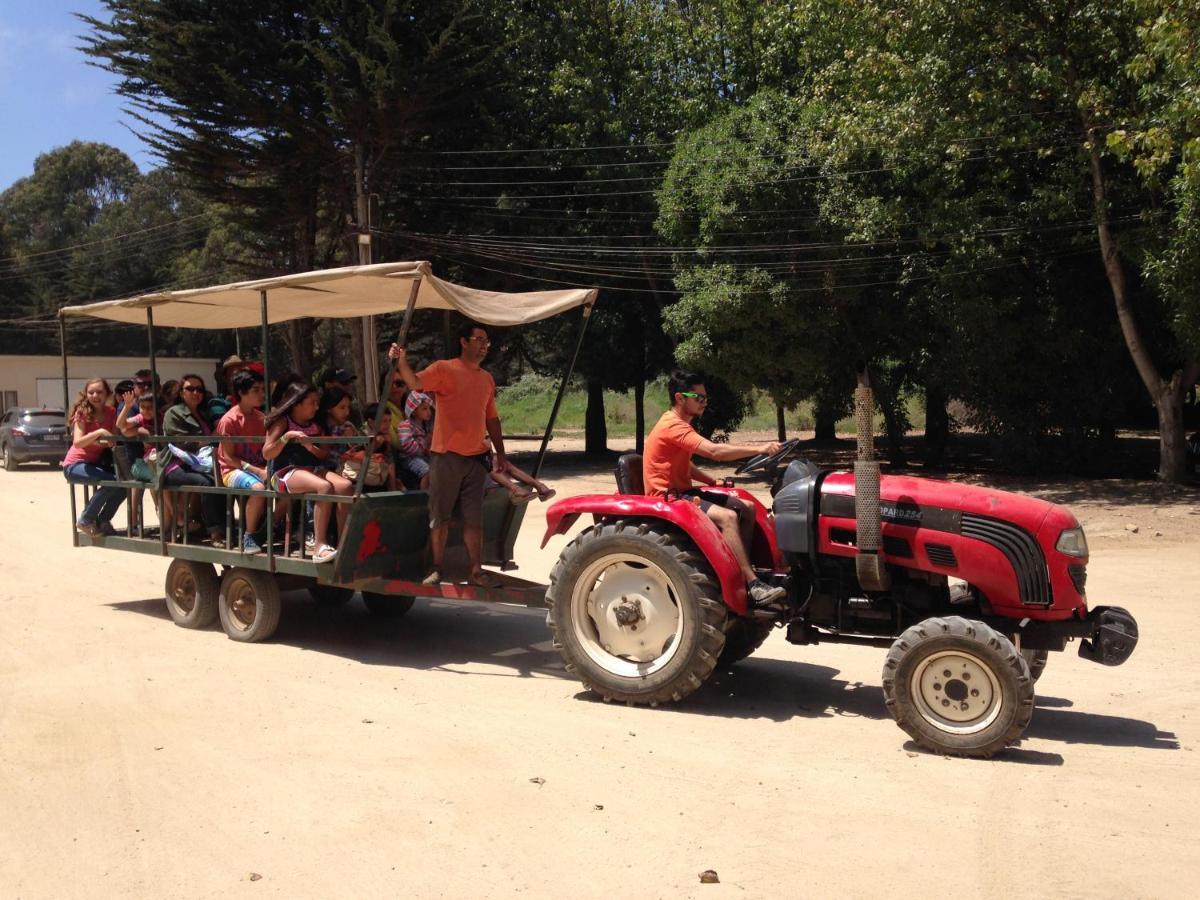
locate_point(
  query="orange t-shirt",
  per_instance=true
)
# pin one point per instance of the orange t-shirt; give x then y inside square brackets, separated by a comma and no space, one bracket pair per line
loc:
[466,399]
[667,459]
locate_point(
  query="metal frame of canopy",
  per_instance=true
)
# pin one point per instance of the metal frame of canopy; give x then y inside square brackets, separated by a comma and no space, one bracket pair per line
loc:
[349,292]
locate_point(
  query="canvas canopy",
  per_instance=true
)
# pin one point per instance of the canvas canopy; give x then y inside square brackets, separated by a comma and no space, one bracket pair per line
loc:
[344,293]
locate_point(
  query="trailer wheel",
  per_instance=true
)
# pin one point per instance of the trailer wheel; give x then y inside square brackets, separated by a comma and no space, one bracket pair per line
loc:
[636,612]
[330,596]
[742,638]
[387,606]
[958,687]
[191,590]
[249,604]
[1036,660]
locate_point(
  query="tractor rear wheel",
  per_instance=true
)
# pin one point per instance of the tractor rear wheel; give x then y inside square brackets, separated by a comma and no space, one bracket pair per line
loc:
[958,687]
[1036,660]
[636,612]
[742,638]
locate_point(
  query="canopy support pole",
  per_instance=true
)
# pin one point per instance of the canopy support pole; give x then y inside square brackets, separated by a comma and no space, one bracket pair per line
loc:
[62,341]
[266,357]
[405,325]
[562,389]
[153,363]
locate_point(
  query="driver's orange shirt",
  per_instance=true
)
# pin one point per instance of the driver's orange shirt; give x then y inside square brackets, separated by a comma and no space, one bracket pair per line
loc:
[667,458]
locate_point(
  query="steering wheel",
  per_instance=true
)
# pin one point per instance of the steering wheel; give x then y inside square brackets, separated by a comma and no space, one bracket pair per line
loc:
[765,461]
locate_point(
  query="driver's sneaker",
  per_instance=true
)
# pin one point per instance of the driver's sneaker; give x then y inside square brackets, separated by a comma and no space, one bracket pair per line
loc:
[764,594]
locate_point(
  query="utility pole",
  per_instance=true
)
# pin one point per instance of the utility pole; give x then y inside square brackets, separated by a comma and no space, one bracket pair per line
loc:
[366,347]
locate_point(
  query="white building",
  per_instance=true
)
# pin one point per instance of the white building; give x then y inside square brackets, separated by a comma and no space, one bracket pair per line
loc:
[37,380]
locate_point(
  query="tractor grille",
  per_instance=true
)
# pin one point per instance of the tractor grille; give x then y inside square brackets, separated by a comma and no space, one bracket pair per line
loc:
[1021,550]
[941,555]
[1078,575]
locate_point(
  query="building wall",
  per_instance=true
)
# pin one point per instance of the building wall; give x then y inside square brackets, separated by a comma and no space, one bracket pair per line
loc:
[37,380]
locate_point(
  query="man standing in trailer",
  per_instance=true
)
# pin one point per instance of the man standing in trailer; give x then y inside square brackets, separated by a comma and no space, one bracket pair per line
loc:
[458,470]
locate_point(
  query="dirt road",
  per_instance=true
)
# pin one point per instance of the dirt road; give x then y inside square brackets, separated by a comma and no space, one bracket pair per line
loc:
[447,754]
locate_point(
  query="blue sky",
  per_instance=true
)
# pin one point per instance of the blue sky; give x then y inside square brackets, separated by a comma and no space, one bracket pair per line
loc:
[49,96]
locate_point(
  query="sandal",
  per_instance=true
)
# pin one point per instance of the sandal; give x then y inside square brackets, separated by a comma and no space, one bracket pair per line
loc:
[519,499]
[324,553]
[546,494]
[434,577]
[483,579]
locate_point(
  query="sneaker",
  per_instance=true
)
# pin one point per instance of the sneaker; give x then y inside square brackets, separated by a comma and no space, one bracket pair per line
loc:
[762,593]
[106,529]
[250,546]
[434,577]
[89,528]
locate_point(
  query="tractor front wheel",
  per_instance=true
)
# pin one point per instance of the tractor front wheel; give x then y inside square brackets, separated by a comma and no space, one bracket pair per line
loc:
[1036,660]
[636,612]
[958,687]
[742,638]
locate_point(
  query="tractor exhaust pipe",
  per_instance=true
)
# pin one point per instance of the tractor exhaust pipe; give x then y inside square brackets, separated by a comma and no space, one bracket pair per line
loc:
[868,565]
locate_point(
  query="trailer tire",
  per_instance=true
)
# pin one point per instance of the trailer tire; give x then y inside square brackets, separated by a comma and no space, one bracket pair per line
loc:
[387,606]
[594,620]
[979,708]
[330,596]
[249,604]
[742,638]
[1036,660]
[191,593]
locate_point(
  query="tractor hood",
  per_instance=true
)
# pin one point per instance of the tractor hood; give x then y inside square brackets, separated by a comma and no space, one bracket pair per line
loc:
[926,501]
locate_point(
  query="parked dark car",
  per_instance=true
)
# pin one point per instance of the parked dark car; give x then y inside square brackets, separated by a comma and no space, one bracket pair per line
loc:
[33,435]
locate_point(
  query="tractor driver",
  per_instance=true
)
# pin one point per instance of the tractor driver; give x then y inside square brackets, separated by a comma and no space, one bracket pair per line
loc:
[667,470]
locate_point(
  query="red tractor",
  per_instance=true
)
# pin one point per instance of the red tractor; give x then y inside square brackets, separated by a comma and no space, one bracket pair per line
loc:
[969,589]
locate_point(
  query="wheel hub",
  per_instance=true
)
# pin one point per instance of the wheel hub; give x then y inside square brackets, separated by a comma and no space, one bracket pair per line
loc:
[627,615]
[183,592]
[957,692]
[242,604]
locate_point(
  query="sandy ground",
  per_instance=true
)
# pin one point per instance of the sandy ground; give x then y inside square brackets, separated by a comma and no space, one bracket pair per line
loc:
[350,757]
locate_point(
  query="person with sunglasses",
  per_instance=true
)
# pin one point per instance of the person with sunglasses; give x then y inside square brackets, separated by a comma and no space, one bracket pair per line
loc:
[466,418]
[668,472]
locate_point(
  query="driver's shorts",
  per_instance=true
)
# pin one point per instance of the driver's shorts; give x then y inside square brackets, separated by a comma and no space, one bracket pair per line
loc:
[712,498]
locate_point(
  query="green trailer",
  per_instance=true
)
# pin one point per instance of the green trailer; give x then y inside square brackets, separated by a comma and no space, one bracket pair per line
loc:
[383,550]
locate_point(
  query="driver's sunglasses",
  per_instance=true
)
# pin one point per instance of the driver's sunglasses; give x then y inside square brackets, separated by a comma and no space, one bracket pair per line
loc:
[703,398]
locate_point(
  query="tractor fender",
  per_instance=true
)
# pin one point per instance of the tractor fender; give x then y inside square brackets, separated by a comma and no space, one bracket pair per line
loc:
[683,514]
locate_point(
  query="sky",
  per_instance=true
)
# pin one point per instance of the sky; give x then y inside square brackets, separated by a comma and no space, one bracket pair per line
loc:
[49,95]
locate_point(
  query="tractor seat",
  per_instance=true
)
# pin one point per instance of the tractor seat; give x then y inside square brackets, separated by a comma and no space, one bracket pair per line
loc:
[629,474]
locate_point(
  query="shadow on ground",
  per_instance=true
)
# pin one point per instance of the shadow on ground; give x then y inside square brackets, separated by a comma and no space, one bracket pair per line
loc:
[437,635]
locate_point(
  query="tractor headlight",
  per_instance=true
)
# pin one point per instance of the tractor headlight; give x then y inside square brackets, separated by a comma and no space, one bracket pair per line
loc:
[1072,542]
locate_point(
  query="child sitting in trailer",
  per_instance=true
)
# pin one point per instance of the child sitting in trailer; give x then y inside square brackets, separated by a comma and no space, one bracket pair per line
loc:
[381,471]
[413,437]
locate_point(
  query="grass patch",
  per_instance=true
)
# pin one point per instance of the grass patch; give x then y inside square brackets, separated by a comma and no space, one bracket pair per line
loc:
[525,407]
